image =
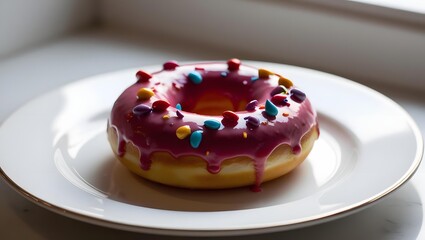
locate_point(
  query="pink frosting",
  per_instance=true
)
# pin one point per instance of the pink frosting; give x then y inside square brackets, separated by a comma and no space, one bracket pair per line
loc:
[152,132]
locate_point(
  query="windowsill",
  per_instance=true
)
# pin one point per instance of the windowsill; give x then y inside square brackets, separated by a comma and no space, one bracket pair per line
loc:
[409,13]
[413,6]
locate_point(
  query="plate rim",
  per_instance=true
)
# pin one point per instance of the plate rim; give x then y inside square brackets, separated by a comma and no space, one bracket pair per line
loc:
[298,223]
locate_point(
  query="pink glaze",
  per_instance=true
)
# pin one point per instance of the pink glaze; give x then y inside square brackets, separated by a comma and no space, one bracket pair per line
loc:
[152,132]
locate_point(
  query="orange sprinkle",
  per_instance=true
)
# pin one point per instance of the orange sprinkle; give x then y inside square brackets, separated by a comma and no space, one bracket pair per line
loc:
[264,73]
[262,106]
[245,135]
[207,153]
[285,114]
[264,123]
[285,82]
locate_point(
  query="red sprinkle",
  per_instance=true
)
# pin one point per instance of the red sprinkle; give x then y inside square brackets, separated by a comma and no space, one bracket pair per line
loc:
[233,64]
[170,65]
[199,68]
[230,116]
[230,119]
[160,105]
[279,100]
[143,76]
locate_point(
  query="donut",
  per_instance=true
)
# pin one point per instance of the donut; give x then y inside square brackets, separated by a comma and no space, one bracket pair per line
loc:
[212,125]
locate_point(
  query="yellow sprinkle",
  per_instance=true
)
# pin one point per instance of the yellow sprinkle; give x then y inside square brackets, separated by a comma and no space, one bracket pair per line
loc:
[245,135]
[207,153]
[285,82]
[183,131]
[165,117]
[145,93]
[264,73]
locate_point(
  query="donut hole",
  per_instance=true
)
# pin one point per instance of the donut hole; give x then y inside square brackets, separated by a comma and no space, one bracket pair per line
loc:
[216,94]
[215,104]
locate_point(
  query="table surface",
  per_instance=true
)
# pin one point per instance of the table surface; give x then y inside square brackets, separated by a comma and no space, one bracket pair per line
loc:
[35,71]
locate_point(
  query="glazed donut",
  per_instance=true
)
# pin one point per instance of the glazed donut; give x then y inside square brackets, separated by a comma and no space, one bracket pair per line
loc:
[212,125]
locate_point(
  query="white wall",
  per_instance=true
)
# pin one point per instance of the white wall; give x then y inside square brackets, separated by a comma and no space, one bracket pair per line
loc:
[350,44]
[27,23]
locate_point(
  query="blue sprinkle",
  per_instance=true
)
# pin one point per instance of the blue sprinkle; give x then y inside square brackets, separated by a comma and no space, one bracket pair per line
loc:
[271,109]
[223,74]
[196,138]
[254,78]
[195,77]
[179,106]
[212,124]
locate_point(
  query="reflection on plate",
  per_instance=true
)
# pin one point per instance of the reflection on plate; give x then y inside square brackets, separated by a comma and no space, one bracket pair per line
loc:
[69,167]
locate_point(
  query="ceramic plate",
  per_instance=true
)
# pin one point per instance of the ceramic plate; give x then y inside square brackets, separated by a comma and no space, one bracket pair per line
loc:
[54,151]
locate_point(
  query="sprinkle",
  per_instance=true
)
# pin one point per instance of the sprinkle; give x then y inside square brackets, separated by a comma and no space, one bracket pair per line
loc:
[297,96]
[233,64]
[254,78]
[170,65]
[264,73]
[179,114]
[195,77]
[262,106]
[279,89]
[251,105]
[207,153]
[178,106]
[212,124]
[230,119]
[285,82]
[183,131]
[223,74]
[285,114]
[271,109]
[144,93]
[196,138]
[264,123]
[165,117]
[279,100]
[252,122]
[230,116]
[199,68]
[245,135]
[160,106]
[141,109]
[143,76]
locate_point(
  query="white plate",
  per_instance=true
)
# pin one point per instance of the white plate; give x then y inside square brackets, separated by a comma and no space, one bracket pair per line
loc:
[54,151]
